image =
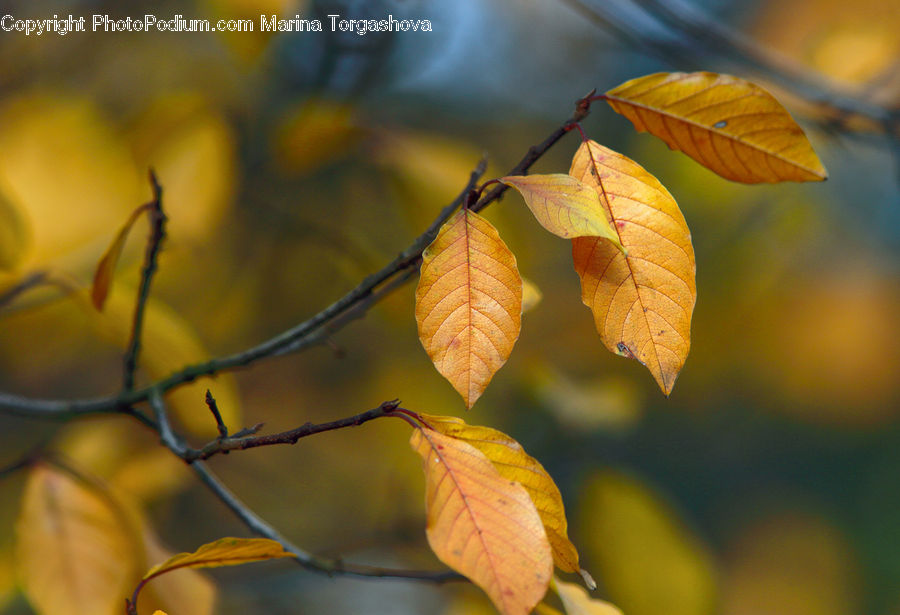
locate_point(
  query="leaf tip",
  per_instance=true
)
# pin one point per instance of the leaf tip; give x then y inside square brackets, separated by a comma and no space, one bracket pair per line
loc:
[589,581]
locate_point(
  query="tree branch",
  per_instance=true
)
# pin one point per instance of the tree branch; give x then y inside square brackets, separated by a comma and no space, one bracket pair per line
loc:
[305,333]
[157,234]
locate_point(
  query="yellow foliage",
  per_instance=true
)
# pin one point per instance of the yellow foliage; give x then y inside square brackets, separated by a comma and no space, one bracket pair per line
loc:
[468,303]
[642,300]
[483,525]
[729,125]
[648,560]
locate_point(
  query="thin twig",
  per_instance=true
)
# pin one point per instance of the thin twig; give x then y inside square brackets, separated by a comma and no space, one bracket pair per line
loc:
[30,281]
[226,444]
[157,234]
[214,408]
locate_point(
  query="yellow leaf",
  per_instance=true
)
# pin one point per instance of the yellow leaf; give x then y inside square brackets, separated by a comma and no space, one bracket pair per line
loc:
[15,236]
[158,612]
[183,592]
[468,303]
[77,551]
[315,134]
[482,524]
[564,205]
[107,265]
[576,600]
[222,552]
[170,343]
[514,464]
[729,125]
[649,560]
[643,301]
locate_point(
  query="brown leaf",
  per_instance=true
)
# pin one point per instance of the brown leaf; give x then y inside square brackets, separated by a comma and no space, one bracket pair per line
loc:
[643,301]
[513,463]
[107,265]
[729,125]
[482,525]
[468,303]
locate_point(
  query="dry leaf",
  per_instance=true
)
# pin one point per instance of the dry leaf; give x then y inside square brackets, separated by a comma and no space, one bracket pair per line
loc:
[183,592]
[222,552]
[482,525]
[468,303]
[77,551]
[514,464]
[564,205]
[643,301]
[729,125]
[576,600]
[107,265]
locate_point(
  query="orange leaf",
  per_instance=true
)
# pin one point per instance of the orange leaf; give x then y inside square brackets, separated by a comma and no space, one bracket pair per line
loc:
[563,205]
[483,525]
[729,125]
[107,265]
[222,552]
[643,301]
[468,303]
[513,463]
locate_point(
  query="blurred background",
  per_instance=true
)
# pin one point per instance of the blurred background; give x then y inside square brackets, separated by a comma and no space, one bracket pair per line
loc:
[294,164]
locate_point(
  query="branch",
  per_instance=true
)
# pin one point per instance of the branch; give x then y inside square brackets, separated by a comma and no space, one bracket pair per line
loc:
[308,332]
[157,234]
[226,444]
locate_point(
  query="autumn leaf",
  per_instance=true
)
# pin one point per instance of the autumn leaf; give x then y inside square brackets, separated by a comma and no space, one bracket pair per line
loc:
[514,464]
[15,236]
[183,592]
[576,601]
[729,125]
[468,303]
[483,525]
[107,265]
[222,552]
[77,551]
[158,612]
[564,205]
[642,302]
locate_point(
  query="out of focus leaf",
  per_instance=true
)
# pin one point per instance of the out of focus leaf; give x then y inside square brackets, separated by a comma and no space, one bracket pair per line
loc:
[170,343]
[642,301]
[649,561]
[564,205]
[183,592]
[315,134]
[107,265]
[77,551]
[791,564]
[483,525]
[222,552]
[15,236]
[729,125]
[576,600]
[68,173]
[514,464]
[531,295]
[7,579]
[191,147]
[150,475]
[468,303]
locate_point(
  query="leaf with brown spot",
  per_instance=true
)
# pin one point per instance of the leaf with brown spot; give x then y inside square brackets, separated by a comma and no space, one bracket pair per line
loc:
[222,552]
[468,303]
[563,205]
[483,525]
[513,463]
[643,301]
[107,265]
[729,125]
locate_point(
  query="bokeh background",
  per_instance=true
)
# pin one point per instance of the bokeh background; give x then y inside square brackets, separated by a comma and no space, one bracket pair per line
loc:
[294,164]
